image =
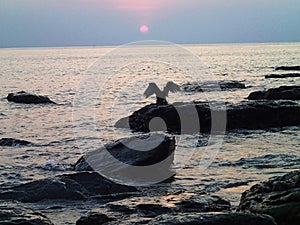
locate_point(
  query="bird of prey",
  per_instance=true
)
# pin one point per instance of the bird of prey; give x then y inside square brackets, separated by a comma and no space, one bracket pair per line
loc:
[161,95]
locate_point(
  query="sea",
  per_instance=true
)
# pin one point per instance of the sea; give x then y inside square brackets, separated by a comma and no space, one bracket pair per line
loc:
[96,86]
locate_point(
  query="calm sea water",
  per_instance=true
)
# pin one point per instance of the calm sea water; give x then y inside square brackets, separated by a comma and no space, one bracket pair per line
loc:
[245,157]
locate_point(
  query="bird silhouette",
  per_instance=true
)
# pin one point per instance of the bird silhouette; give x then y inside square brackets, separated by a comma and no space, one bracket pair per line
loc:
[161,95]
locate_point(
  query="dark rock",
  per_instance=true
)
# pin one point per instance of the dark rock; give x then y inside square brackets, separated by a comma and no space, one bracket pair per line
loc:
[139,210]
[245,115]
[280,76]
[94,219]
[152,210]
[213,86]
[278,197]
[16,215]
[13,142]
[27,98]
[281,93]
[287,68]
[140,151]
[183,202]
[203,203]
[76,186]
[213,219]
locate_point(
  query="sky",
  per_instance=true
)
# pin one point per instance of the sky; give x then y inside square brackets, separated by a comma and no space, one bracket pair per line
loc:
[30,23]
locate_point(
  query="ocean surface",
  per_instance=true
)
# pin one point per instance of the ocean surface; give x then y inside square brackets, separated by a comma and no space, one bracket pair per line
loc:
[108,84]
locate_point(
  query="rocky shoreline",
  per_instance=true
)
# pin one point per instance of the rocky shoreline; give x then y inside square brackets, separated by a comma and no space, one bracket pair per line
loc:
[272,202]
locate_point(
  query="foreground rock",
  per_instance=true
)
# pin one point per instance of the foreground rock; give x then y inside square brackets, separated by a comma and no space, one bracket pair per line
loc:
[143,209]
[184,202]
[13,142]
[182,219]
[76,186]
[16,215]
[281,76]
[278,197]
[141,158]
[213,86]
[281,93]
[27,98]
[245,115]
[287,68]
[213,219]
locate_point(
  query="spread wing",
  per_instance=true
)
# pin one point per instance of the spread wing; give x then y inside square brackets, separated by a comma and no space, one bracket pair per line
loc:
[152,89]
[171,86]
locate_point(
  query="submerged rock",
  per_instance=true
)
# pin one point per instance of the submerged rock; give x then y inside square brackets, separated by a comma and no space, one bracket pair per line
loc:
[278,197]
[94,219]
[245,115]
[281,93]
[16,215]
[13,142]
[213,219]
[184,202]
[213,86]
[27,98]
[264,161]
[130,158]
[181,219]
[281,76]
[76,186]
[287,68]
[142,209]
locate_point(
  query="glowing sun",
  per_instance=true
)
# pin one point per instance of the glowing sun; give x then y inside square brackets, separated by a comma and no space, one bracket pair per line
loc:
[144,29]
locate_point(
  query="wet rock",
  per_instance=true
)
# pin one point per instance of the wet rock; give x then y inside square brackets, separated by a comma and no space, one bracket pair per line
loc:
[203,203]
[213,86]
[77,186]
[281,93]
[153,150]
[13,142]
[287,68]
[278,197]
[184,202]
[140,210]
[281,76]
[186,118]
[94,219]
[213,219]
[27,98]
[16,215]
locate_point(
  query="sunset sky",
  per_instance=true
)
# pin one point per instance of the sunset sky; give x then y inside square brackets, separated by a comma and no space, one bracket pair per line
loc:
[112,22]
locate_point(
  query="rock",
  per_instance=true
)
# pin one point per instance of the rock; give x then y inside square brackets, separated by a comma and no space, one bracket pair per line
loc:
[287,68]
[244,115]
[77,186]
[281,93]
[94,219]
[183,202]
[27,98]
[278,197]
[142,209]
[16,215]
[120,158]
[213,219]
[13,142]
[280,76]
[203,203]
[213,86]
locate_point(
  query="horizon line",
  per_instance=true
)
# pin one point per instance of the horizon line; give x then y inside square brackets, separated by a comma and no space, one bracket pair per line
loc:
[116,45]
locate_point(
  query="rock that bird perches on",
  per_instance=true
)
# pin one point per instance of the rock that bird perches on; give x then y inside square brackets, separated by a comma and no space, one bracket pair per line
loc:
[161,95]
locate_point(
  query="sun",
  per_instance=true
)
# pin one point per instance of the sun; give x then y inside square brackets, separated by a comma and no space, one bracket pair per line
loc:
[144,29]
